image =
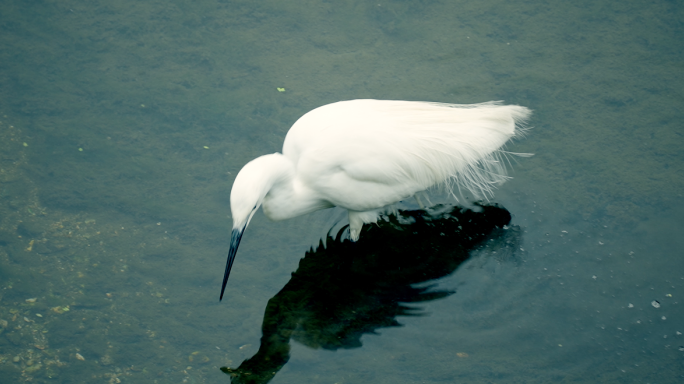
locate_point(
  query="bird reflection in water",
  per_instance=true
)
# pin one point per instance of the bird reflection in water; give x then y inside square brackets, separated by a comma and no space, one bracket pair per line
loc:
[345,289]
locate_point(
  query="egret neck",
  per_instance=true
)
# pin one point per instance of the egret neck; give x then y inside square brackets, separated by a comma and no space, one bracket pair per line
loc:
[268,181]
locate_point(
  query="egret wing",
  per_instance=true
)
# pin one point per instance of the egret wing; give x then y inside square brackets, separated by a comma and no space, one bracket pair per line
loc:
[405,146]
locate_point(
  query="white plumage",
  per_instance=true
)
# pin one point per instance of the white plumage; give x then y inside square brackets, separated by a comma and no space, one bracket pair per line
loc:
[363,155]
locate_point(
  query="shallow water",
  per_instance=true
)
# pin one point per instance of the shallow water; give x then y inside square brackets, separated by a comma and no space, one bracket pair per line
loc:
[123,126]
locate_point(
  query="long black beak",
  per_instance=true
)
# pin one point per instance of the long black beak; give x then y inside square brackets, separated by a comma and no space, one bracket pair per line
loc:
[235,237]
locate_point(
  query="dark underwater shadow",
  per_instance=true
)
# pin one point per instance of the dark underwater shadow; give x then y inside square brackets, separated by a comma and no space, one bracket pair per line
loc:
[343,290]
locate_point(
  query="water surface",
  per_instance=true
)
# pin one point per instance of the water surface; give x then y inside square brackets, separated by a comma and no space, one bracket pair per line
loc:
[124,124]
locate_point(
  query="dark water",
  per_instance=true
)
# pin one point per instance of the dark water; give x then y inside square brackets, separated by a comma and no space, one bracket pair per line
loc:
[124,124]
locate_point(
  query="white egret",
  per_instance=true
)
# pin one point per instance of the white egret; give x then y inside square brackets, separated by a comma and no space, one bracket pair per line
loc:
[364,155]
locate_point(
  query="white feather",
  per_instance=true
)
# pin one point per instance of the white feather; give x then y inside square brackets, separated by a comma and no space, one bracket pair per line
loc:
[394,149]
[363,155]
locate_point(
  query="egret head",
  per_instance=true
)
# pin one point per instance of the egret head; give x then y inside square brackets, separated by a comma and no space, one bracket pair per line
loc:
[251,185]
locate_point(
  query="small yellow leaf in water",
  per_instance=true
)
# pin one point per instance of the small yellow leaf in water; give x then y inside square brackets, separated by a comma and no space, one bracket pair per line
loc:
[205,147]
[80,149]
[79,357]
[25,145]
[31,300]
[280,89]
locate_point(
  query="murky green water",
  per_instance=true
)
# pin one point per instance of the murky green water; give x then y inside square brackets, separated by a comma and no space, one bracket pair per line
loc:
[124,124]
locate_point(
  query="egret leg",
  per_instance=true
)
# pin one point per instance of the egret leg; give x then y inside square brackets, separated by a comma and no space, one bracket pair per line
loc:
[358,219]
[425,196]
